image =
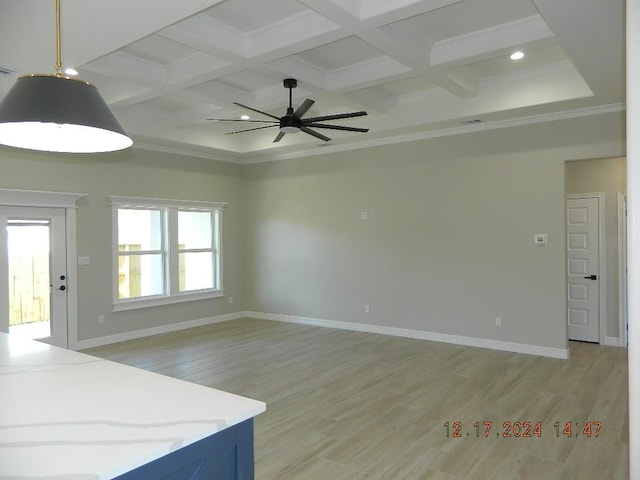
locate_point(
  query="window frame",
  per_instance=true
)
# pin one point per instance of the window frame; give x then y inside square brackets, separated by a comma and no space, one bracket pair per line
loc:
[170,249]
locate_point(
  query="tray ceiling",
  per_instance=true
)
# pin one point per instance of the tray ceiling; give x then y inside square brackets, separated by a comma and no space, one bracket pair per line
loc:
[419,68]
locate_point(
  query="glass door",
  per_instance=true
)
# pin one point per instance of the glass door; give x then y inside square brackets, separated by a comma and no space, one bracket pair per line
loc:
[33,286]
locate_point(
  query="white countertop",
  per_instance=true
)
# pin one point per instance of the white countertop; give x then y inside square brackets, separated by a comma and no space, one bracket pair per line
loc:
[67,415]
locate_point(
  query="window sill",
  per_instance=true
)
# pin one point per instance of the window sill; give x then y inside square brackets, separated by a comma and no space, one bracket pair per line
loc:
[132,304]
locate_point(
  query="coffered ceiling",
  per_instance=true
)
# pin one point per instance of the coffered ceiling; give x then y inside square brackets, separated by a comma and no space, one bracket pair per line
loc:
[420,68]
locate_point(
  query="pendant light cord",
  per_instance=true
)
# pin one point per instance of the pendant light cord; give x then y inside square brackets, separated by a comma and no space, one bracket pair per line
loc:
[58,42]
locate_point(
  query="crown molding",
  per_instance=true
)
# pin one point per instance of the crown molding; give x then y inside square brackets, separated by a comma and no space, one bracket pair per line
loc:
[245,159]
[445,132]
[188,152]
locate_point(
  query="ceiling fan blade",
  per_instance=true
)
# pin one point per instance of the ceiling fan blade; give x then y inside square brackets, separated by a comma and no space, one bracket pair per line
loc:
[302,109]
[278,137]
[333,117]
[250,129]
[314,133]
[256,110]
[238,120]
[336,127]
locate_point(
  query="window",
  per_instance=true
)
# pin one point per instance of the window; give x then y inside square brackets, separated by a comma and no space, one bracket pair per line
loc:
[165,251]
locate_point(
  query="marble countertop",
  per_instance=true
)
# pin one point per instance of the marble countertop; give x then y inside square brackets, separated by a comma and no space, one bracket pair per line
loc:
[65,415]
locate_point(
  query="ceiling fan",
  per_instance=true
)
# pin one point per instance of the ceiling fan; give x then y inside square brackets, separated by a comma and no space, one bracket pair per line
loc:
[292,121]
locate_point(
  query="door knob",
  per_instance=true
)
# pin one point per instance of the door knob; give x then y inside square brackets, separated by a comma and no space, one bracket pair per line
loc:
[62,287]
[591,277]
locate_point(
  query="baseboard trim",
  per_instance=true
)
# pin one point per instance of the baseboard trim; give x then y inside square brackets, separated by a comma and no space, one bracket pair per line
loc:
[147,332]
[561,353]
[612,341]
[357,327]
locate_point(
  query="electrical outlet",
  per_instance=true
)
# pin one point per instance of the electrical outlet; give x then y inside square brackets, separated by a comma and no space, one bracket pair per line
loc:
[541,239]
[230,299]
[101,319]
[366,309]
[498,321]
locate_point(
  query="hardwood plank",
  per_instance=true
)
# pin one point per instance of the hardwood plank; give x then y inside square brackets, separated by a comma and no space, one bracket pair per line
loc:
[350,405]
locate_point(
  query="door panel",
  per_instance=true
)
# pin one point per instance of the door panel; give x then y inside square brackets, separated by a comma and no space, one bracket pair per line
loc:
[583,276]
[33,274]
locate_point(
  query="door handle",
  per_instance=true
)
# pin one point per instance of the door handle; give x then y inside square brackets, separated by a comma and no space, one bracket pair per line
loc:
[62,287]
[592,277]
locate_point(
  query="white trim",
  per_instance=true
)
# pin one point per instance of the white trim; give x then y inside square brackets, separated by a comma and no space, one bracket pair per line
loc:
[143,202]
[449,131]
[72,276]
[33,198]
[210,153]
[147,332]
[632,20]
[622,267]
[169,212]
[602,264]
[68,201]
[254,157]
[158,301]
[562,353]
[612,342]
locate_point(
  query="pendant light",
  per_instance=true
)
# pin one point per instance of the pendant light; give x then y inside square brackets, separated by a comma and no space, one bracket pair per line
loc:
[55,113]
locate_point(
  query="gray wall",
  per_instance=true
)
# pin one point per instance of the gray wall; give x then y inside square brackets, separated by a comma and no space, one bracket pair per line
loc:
[448,246]
[136,173]
[607,175]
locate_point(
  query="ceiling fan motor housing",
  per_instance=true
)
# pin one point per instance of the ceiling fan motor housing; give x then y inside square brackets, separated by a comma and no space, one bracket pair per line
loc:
[290,123]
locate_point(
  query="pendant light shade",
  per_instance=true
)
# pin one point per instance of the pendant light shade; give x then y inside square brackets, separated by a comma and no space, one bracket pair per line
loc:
[54,113]
[59,114]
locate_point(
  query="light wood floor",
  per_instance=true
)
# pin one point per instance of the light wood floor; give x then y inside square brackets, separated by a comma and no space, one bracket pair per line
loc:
[346,405]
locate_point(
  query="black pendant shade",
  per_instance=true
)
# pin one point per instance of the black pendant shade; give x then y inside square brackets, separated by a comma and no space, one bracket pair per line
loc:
[59,114]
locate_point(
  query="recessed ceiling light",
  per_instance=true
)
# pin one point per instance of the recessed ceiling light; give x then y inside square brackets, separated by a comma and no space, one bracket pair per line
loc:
[517,55]
[244,117]
[6,70]
[71,71]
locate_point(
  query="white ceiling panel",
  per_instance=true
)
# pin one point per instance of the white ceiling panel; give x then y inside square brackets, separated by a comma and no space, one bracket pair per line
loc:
[413,65]
[248,80]
[468,16]
[339,54]
[249,16]
[159,50]
[502,65]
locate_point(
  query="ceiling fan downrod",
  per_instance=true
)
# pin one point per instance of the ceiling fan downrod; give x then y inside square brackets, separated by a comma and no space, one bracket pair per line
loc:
[288,123]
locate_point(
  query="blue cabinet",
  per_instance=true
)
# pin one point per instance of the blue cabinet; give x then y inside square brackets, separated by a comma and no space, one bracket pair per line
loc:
[225,455]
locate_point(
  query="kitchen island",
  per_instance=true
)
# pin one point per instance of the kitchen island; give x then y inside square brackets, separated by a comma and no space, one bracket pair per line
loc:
[65,415]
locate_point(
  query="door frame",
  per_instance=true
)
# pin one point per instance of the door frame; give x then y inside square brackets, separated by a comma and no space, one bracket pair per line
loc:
[602,298]
[67,201]
[622,270]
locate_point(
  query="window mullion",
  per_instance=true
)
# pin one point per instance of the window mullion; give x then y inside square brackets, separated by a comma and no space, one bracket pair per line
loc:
[216,225]
[196,250]
[171,249]
[133,253]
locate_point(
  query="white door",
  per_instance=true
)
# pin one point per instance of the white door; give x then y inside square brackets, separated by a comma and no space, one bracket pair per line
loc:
[33,286]
[583,269]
